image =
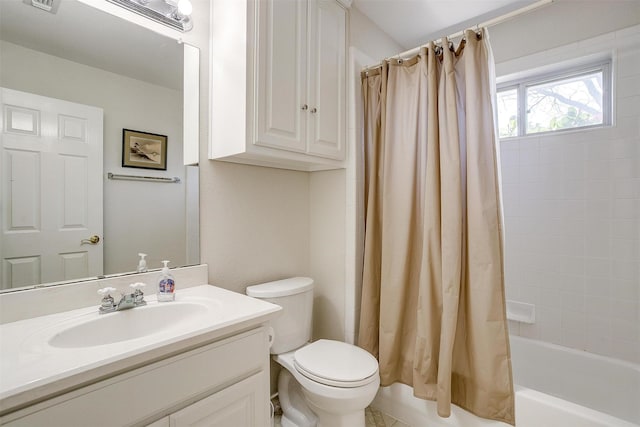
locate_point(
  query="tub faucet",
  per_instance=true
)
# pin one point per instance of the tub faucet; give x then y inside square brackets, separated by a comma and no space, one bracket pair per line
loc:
[131,300]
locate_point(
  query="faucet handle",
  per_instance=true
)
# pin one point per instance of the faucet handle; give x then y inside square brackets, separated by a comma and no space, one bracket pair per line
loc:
[138,296]
[107,305]
[137,285]
[106,291]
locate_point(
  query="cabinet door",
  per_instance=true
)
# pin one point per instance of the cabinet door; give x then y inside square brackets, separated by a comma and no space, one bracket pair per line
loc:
[281,74]
[240,405]
[326,126]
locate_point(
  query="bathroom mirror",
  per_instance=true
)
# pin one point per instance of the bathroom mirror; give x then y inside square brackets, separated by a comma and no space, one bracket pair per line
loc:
[56,66]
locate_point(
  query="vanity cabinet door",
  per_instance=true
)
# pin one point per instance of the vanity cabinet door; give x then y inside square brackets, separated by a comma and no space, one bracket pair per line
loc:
[240,405]
[281,73]
[326,127]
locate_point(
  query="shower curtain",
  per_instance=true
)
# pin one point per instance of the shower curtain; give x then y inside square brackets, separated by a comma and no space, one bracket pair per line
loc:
[433,308]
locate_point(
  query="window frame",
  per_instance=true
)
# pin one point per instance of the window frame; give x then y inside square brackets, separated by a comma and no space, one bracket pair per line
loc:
[522,84]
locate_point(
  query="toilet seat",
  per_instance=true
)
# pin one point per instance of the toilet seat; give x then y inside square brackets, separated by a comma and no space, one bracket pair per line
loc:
[336,364]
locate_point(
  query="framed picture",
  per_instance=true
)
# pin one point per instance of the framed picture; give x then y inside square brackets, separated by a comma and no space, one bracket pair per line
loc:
[144,150]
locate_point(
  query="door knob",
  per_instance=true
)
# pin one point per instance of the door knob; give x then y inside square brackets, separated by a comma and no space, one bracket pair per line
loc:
[93,240]
[304,107]
[314,110]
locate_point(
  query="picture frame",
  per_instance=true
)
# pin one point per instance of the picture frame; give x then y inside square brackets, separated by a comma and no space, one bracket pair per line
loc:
[144,150]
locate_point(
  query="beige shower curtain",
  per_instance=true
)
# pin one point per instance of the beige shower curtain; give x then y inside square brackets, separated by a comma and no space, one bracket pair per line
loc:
[433,308]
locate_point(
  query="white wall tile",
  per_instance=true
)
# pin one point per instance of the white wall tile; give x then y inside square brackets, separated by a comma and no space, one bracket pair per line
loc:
[574,339]
[626,270]
[627,188]
[574,189]
[573,301]
[627,249]
[529,152]
[626,310]
[626,350]
[625,228]
[514,327]
[598,306]
[575,204]
[599,169]
[625,289]
[625,149]
[629,106]
[625,168]
[531,331]
[626,209]
[598,268]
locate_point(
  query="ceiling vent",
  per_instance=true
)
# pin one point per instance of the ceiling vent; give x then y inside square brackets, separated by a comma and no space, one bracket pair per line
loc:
[50,6]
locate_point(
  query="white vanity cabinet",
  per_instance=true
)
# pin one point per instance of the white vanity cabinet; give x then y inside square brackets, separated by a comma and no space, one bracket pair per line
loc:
[224,383]
[233,406]
[278,83]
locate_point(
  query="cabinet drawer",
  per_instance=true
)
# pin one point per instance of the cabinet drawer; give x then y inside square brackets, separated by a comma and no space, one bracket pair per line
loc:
[154,390]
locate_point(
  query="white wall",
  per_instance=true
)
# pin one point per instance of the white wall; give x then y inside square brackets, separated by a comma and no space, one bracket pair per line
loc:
[153,223]
[254,223]
[327,252]
[572,207]
[560,23]
[333,211]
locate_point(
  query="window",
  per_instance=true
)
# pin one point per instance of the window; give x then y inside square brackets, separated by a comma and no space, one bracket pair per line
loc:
[577,98]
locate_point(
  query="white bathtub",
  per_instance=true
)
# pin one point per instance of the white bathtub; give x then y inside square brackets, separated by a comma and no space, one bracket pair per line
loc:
[556,387]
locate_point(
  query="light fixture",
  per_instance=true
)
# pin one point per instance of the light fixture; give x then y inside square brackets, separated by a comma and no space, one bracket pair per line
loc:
[173,13]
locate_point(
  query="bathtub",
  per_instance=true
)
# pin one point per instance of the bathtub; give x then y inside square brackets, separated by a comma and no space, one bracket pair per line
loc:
[555,387]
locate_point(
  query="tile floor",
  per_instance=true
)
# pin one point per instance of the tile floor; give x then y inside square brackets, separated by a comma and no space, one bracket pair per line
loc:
[374,418]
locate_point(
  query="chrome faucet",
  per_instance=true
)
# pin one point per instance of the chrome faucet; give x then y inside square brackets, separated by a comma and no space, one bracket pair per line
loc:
[131,300]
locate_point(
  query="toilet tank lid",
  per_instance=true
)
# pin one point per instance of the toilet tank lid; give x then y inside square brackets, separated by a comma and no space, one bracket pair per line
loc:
[281,288]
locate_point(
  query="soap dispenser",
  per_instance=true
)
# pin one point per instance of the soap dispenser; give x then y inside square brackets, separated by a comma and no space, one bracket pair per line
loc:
[166,284]
[142,264]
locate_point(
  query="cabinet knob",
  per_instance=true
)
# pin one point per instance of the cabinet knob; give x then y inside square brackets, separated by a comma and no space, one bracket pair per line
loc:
[314,110]
[304,107]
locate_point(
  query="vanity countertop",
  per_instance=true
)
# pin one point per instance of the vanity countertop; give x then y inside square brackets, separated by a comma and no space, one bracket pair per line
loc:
[31,369]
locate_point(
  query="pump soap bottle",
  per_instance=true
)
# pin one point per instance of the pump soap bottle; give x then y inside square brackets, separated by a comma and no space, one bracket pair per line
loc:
[166,284]
[142,264]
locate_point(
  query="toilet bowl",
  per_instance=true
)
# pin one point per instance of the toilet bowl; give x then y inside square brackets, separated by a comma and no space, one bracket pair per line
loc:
[325,383]
[335,393]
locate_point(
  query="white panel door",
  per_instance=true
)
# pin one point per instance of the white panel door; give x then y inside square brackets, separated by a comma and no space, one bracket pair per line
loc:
[51,176]
[240,405]
[326,127]
[281,107]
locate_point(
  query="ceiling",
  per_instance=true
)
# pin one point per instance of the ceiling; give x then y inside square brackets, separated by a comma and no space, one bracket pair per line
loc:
[86,35]
[412,23]
[80,33]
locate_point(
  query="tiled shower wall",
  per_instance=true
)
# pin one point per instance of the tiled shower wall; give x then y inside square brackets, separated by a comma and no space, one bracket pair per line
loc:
[572,219]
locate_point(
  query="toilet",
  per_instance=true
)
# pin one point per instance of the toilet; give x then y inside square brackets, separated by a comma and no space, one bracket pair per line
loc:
[324,383]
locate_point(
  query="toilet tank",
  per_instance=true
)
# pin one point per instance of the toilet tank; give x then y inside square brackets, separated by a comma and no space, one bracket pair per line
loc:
[292,329]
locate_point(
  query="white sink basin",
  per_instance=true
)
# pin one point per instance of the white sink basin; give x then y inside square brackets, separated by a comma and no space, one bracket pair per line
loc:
[129,324]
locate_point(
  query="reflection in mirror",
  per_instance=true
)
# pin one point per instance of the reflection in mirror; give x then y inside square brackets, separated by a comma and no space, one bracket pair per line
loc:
[71,81]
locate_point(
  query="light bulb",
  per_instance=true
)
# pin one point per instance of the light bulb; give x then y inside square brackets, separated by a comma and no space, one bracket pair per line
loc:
[185,7]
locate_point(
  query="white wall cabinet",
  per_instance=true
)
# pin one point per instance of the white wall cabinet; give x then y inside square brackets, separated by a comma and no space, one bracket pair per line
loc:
[222,384]
[278,88]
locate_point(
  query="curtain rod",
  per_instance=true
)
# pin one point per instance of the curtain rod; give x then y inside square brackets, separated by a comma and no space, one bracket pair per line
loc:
[489,23]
